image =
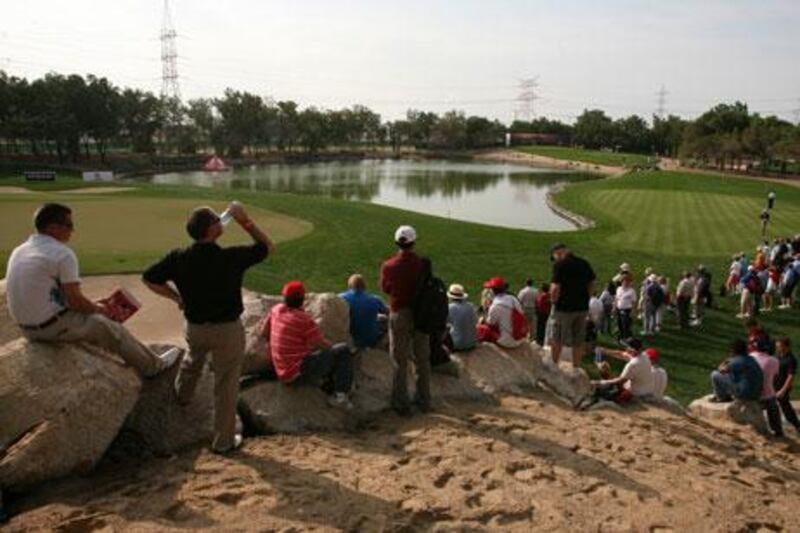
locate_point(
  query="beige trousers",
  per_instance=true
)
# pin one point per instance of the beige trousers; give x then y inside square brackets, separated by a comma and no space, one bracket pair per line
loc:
[99,331]
[404,343]
[225,342]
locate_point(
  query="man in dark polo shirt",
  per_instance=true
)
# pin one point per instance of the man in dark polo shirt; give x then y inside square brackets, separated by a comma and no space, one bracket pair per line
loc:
[399,276]
[208,279]
[570,291]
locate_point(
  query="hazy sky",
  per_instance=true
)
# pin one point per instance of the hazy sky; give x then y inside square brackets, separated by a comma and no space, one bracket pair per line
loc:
[434,55]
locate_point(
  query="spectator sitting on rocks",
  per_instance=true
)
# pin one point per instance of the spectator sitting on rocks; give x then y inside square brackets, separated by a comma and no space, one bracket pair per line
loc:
[636,379]
[45,299]
[461,320]
[769,369]
[785,380]
[368,313]
[527,298]
[660,378]
[300,354]
[500,314]
[738,378]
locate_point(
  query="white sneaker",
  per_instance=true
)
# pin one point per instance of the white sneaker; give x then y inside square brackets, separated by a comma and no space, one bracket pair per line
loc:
[341,401]
[169,358]
[237,443]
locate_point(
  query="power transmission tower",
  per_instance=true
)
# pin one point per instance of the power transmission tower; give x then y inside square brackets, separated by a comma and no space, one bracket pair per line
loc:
[662,102]
[526,98]
[169,57]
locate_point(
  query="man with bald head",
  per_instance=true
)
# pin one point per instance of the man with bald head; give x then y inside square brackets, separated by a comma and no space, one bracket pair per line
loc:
[367,313]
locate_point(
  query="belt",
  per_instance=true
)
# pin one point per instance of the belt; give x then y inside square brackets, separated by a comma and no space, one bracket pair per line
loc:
[49,322]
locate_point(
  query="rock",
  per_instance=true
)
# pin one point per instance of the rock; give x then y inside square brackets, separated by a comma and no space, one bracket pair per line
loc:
[572,384]
[61,405]
[158,425]
[494,370]
[8,329]
[737,412]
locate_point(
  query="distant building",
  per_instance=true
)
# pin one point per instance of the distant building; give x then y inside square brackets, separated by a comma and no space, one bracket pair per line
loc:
[554,139]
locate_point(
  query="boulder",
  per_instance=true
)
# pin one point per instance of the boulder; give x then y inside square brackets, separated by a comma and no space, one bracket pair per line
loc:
[572,384]
[743,413]
[159,425]
[494,370]
[8,329]
[61,405]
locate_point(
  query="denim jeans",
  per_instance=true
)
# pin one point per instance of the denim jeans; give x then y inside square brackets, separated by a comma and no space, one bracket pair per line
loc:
[335,362]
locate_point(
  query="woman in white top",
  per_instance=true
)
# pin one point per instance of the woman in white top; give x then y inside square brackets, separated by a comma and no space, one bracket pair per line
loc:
[624,303]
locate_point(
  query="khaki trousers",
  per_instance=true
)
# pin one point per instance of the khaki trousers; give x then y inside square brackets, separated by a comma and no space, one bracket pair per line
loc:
[404,343]
[100,331]
[225,342]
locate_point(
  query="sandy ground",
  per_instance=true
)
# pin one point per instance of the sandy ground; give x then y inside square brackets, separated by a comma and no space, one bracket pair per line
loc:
[521,158]
[528,463]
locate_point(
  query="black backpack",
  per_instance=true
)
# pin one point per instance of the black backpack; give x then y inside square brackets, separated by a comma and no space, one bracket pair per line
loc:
[656,294]
[430,302]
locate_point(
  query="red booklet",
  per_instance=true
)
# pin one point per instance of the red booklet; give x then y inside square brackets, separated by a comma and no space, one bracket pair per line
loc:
[122,305]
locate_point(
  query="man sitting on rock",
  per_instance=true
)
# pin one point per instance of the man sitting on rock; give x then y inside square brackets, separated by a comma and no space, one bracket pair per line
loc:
[462,320]
[500,313]
[45,298]
[300,354]
[368,313]
[636,378]
[739,377]
[208,279]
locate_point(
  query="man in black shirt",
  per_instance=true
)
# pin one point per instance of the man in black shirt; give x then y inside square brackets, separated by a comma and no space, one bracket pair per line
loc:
[208,279]
[570,290]
[784,381]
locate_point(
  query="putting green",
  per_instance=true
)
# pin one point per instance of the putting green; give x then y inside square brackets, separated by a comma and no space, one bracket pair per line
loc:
[120,225]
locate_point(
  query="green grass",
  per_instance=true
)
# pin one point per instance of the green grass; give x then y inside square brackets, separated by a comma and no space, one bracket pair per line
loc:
[669,221]
[594,157]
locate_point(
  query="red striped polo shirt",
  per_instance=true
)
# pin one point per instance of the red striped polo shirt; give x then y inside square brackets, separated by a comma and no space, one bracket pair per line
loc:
[293,334]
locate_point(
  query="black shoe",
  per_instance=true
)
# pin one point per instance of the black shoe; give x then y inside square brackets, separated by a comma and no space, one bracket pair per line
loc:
[403,410]
[237,443]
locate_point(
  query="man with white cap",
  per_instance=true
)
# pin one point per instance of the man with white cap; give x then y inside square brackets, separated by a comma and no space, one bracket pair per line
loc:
[399,279]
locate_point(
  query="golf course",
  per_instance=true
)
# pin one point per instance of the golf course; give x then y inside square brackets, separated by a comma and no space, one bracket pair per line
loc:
[664,220]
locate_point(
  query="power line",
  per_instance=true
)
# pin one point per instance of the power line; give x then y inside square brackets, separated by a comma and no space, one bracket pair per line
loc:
[169,57]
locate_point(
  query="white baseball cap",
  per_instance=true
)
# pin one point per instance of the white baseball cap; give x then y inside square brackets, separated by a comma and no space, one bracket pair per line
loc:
[405,234]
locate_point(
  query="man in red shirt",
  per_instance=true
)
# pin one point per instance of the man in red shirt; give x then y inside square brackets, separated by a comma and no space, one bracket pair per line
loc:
[399,276]
[300,354]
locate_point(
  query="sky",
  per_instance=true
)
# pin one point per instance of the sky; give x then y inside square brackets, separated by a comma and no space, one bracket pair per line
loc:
[432,55]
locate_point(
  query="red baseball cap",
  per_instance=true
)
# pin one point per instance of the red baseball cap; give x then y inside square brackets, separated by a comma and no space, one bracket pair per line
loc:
[294,289]
[495,283]
[652,354]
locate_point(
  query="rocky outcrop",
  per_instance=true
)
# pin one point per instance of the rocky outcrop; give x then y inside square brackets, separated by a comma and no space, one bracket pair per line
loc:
[483,373]
[743,413]
[8,329]
[572,384]
[159,425]
[61,405]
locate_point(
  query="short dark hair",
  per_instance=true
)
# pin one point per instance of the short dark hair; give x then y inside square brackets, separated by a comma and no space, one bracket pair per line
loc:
[739,347]
[545,287]
[404,245]
[200,221]
[50,214]
[294,302]
[529,282]
[786,341]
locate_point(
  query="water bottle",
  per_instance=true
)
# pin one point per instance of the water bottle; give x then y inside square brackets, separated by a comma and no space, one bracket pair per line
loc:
[598,355]
[226,217]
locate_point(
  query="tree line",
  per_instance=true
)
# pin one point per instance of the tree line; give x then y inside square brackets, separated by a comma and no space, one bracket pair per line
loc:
[72,117]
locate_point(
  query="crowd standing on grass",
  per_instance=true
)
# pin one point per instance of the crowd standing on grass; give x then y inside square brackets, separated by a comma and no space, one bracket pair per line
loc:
[425,322]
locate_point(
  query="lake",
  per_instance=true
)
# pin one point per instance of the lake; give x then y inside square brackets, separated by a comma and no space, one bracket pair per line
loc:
[504,195]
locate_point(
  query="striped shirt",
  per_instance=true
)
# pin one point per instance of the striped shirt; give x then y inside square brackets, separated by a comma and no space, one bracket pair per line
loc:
[292,335]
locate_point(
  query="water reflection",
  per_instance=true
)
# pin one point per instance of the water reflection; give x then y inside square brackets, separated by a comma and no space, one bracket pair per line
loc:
[497,194]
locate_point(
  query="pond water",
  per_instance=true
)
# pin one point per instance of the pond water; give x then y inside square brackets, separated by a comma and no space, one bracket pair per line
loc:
[505,195]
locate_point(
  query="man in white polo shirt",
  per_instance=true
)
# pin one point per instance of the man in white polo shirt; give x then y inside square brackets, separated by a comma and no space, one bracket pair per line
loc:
[44,295]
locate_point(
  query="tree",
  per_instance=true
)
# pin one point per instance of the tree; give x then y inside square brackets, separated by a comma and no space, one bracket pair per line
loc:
[667,134]
[450,131]
[313,128]
[632,134]
[101,113]
[420,127]
[287,124]
[241,115]
[594,129]
[141,116]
